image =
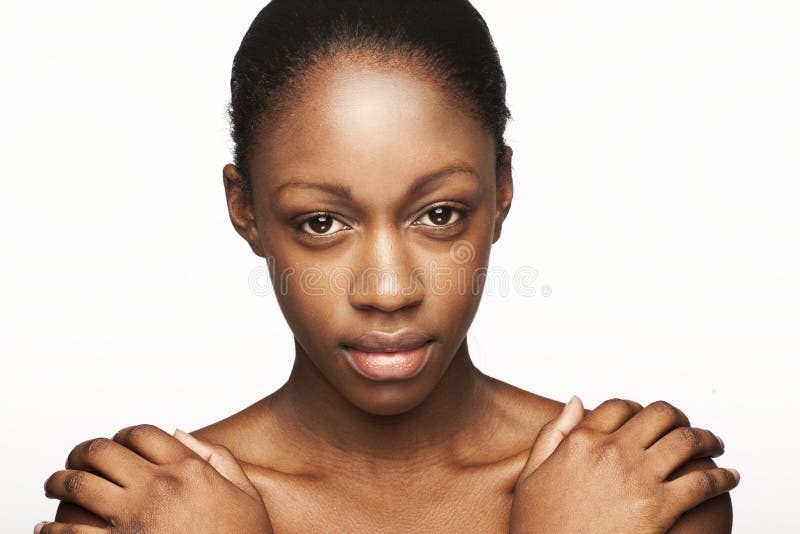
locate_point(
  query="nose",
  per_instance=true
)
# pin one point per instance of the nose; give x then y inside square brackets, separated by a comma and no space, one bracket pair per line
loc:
[386,277]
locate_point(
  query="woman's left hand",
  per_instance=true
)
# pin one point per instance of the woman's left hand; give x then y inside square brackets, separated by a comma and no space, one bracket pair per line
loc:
[145,480]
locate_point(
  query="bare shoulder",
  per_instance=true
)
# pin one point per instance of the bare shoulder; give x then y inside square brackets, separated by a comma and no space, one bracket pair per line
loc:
[250,434]
[518,415]
[534,409]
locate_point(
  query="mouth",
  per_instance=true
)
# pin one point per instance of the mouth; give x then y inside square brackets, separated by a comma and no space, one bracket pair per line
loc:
[381,356]
[402,340]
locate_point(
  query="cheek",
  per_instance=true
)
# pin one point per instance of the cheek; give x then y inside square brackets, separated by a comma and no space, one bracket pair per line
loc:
[457,291]
[304,297]
[310,297]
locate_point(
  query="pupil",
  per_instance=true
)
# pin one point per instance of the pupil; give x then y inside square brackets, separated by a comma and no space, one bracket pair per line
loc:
[441,214]
[320,224]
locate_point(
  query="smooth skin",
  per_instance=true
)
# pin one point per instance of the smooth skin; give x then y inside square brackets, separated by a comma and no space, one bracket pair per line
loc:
[377,146]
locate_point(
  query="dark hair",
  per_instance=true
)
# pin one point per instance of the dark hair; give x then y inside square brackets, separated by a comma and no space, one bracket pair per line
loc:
[288,38]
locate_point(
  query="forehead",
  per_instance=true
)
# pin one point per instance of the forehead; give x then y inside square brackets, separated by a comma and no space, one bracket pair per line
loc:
[372,125]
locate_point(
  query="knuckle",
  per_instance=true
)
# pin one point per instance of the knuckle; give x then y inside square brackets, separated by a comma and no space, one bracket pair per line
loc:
[132,432]
[706,483]
[663,407]
[95,447]
[73,482]
[690,438]
[667,411]
[618,405]
[634,404]
[165,485]
[580,438]
[615,402]
[140,431]
[547,426]
[220,449]
[608,452]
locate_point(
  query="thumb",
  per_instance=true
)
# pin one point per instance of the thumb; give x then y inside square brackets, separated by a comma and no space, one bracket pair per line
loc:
[220,459]
[551,434]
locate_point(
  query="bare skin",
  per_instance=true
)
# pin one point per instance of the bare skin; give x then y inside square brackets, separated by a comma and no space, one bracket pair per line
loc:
[442,451]
[467,487]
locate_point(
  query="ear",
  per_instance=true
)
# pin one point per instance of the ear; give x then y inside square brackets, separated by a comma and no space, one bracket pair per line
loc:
[505,193]
[240,208]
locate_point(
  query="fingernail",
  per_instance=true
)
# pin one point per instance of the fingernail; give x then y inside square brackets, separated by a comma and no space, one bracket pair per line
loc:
[571,400]
[38,527]
[734,472]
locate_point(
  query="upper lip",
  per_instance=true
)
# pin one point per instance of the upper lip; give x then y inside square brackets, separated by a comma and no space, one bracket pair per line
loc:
[403,339]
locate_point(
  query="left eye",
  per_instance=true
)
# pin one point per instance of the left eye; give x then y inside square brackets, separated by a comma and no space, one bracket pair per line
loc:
[321,225]
[441,216]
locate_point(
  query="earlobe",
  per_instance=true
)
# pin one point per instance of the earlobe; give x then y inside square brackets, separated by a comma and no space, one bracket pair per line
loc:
[504,193]
[240,208]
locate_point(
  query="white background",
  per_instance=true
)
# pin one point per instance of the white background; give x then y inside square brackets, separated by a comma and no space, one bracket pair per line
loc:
[656,169]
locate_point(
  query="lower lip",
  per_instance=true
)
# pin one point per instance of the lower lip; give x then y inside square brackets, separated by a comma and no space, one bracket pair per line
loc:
[389,365]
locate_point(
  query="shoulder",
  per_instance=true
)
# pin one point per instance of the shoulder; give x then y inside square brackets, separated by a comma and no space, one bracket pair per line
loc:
[256,440]
[247,433]
[517,416]
[524,406]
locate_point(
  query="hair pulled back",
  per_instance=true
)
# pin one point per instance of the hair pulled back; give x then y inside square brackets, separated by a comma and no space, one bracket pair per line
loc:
[288,38]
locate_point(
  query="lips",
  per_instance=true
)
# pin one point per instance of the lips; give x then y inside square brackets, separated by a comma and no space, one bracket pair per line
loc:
[404,339]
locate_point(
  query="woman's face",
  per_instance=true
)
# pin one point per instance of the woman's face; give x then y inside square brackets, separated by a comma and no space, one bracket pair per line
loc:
[376,203]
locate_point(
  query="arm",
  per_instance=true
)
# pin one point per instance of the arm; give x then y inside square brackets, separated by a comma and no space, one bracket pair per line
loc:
[714,516]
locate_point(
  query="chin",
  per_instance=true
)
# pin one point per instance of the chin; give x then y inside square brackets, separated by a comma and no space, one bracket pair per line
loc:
[389,398]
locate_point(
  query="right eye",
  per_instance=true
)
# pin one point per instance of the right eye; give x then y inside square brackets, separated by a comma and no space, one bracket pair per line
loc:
[320,225]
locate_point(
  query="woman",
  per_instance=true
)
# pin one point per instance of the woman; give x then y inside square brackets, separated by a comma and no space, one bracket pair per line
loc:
[372,174]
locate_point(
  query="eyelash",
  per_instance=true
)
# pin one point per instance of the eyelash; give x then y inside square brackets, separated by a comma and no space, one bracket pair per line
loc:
[462,211]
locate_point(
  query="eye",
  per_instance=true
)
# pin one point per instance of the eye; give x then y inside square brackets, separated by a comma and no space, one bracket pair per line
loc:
[320,225]
[443,216]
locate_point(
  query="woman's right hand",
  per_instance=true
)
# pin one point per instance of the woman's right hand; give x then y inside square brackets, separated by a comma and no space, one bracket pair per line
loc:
[609,471]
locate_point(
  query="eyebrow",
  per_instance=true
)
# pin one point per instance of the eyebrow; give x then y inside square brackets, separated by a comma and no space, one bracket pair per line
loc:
[346,192]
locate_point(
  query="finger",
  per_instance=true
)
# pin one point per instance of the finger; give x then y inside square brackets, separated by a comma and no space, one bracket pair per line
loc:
[153,444]
[52,527]
[571,414]
[681,445]
[87,490]
[653,422]
[220,459]
[68,512]
[551,434]
[691,489]
[610,415]
[107,458]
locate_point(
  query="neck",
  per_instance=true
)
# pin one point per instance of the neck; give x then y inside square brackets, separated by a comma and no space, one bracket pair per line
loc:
[444,425]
